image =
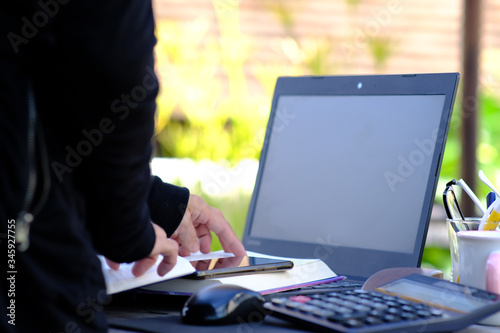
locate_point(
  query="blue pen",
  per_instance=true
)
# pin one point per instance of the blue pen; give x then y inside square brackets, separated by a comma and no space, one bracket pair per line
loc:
[490,198]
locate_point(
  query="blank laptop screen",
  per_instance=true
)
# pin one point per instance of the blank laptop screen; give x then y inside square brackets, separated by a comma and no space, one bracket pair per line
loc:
[348,171]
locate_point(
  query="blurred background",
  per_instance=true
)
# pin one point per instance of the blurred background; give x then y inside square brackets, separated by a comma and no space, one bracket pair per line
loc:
[218,61]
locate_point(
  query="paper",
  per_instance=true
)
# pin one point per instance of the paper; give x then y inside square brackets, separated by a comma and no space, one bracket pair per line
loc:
[304,272]
[208,256]
[123,279]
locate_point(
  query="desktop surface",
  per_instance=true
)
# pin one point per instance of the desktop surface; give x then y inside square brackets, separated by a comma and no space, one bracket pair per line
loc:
[130,314]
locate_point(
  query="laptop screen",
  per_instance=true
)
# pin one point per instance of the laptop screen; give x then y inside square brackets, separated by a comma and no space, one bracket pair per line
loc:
[349,175]
[365,191]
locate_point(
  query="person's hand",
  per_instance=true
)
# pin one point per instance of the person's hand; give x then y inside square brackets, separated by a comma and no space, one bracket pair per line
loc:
[193,233]
[166,247]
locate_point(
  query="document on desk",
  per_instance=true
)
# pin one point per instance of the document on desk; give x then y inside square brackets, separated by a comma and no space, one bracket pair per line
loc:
[123,279]
[305,272]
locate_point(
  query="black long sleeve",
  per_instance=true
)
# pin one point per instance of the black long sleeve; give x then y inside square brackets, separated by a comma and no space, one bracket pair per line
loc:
[107,63]
[90,64]
[167,204]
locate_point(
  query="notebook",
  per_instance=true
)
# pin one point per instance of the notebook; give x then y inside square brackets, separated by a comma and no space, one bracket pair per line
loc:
[349,169]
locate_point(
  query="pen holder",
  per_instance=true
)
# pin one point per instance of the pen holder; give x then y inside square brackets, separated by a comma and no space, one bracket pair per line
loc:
[454,226]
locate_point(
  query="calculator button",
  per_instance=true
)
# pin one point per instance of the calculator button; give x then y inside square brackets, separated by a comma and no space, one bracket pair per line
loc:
[392,303]
[334,300]
[300,299]
[306,308]
[420,306]
[436,312]
[376,313]
[361,308]
[279,301]
[394,311]
[291,305]
[367,302]
[408,316]
[407,308]
[372,321]
[334,294]
[423,313]
[322,313]
[389,318]
[344,310]
[329,306]
[316,302]
[353,323]
[339,317]
[349,304]
[350,298]
[380,306]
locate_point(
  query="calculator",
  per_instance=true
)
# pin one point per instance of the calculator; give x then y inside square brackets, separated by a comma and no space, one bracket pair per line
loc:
[415,303]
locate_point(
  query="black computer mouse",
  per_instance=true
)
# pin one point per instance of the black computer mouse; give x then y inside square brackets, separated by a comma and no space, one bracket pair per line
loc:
[223,304]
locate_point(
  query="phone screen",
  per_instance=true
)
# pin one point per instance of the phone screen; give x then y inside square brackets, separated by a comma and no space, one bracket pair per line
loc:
[230,266]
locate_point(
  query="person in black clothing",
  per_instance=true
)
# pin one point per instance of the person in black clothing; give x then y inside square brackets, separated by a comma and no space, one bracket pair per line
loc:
[77,103]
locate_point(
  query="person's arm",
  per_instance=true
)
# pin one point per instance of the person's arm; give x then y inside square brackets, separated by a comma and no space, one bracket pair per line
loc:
[167,204]
[189,220]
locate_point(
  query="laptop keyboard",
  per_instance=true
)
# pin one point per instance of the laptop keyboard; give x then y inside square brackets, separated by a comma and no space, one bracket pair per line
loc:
[331,286]
[342,285]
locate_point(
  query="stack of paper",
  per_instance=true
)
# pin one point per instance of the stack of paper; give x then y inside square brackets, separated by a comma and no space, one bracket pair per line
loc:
[305,272]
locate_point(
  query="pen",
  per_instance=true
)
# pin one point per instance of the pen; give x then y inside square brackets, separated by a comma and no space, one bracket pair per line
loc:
[471,194]
[490,198]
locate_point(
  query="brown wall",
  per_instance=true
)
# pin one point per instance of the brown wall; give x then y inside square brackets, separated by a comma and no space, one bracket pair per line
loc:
[425,34]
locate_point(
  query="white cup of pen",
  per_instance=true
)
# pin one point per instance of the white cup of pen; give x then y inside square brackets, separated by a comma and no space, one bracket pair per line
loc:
[475,242]
[456,221]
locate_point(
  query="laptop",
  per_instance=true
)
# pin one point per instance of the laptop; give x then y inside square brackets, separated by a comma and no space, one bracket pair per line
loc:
[349,169]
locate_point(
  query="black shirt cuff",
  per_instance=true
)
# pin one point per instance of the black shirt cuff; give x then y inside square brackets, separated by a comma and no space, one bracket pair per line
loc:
[167,204]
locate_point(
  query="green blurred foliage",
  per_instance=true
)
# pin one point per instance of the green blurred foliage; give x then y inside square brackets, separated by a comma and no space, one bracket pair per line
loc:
[381,49]
[437,258]
[488,153]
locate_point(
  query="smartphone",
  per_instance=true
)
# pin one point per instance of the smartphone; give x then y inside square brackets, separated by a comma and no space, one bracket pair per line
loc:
[232,266]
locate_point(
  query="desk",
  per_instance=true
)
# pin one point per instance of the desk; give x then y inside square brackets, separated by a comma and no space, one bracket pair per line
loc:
[163,312]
